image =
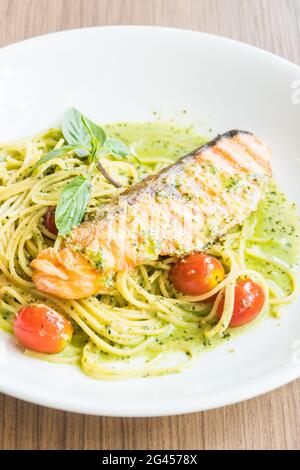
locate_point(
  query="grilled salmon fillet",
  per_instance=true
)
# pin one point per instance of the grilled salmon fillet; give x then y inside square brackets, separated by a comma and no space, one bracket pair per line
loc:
[182,209]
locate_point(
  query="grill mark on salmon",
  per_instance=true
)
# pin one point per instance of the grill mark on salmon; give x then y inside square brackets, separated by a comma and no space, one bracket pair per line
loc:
[182,209]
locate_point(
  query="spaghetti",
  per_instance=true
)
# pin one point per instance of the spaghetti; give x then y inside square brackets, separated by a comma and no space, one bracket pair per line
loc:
[142,326]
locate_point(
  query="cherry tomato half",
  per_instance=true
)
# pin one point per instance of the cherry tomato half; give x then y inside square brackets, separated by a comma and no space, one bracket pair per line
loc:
[249,299]
[197,274]
[49,220]
[42,329]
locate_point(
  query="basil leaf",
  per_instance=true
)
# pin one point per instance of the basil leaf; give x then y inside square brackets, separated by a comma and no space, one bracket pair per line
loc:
[54,154]
[72,204]
[96,132]
[116,148]
[78,129]
[74,131]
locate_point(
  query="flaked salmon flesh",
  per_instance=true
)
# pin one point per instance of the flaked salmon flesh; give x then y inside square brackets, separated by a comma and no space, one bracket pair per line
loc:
[182,209]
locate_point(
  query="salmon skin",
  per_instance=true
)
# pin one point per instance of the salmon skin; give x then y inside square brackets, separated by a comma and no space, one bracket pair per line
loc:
[182,209]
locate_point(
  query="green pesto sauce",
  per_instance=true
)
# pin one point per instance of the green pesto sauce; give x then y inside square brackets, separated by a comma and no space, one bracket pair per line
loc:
[156,139]
[279,223]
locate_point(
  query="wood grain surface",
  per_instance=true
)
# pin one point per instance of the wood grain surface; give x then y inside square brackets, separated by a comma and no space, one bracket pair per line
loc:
[268,422]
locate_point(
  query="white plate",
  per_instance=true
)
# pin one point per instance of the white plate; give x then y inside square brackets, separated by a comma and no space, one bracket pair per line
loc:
[125,73]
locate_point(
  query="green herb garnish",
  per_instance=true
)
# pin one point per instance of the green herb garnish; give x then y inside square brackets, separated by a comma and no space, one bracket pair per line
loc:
[87,140]
[116,148]
[72,204]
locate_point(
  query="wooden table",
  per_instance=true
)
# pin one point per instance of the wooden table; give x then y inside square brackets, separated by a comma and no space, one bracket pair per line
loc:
[269,422]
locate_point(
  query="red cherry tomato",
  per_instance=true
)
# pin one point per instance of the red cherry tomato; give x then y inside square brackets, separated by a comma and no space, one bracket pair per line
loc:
[197,274]
[249,299]
[49,220]
[42,329]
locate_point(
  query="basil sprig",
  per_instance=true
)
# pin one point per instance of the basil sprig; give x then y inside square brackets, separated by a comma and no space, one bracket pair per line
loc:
[87,140]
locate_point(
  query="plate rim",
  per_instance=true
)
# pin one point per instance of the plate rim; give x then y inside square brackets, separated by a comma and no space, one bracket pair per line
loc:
[41,37]
[267,383]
